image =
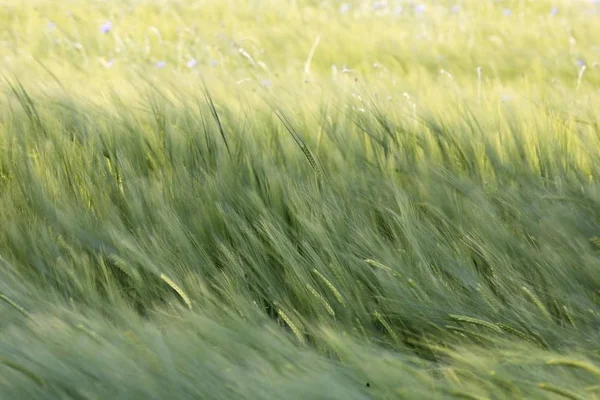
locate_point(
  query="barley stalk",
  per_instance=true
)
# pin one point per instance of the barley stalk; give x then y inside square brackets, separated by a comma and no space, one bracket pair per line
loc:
[450,374]
[386,325]
[475,321]
[333,289]
[377,264]
[311,54]
[560,391]
[478,336]
[177,290]
[323,301]
[14,305]
[291,324]
[537,302]
[290,128]
[517,333]
[589,367]
[93,335]
[124,267]
[569,316]
[24,371]
[468,396]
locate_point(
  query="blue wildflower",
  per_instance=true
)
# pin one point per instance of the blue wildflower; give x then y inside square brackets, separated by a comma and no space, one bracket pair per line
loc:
[106,27]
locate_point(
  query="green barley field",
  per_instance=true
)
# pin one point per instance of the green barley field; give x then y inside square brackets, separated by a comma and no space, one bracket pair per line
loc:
[288,199]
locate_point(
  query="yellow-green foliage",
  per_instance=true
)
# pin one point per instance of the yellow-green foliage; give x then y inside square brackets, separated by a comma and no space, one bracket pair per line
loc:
[299,199]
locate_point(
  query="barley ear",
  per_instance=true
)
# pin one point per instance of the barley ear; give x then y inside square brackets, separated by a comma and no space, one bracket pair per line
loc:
[177,290]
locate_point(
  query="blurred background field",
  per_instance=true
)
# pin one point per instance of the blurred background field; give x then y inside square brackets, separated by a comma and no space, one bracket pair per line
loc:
[299,199]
